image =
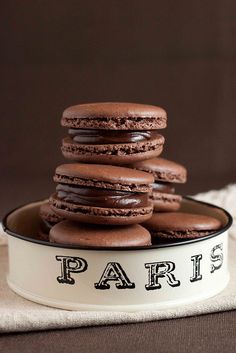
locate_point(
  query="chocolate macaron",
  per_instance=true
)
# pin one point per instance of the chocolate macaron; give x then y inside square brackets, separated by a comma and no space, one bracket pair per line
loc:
[113,133]
[180,226]
[166,173]
[102,194]
[73,233]
[48,218]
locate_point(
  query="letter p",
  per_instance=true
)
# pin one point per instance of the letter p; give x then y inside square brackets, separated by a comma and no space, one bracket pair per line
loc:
[70,264]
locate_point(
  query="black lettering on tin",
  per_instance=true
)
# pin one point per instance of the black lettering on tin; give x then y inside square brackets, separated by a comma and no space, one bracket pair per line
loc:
[217,257]
[196,259]
[114,272]
[158,270]
[70,264]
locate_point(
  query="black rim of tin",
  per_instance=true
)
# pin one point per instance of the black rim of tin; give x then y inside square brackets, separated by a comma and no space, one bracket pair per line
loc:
[126,248]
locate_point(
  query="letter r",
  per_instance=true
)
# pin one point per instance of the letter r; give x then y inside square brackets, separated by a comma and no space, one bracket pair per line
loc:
[158,270]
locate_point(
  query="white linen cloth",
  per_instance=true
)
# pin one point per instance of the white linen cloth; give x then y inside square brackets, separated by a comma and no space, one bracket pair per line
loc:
[18,314]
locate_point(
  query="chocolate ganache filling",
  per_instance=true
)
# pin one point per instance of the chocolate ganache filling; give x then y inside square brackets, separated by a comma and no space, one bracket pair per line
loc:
[101,197]
[167,188]
[97,137]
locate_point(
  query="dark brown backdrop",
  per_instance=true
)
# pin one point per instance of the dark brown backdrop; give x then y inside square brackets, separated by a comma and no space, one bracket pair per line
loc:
[180,55]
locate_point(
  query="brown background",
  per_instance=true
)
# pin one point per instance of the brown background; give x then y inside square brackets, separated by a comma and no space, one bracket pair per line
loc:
[180,55]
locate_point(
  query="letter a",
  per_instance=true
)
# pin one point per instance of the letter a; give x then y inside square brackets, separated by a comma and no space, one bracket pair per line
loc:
[114,272]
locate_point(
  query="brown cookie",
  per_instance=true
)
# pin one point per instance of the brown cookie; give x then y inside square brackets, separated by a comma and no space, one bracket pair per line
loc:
[48,218]
[73,233]
[166,174]
[102,194]
[180,226]
[113,133]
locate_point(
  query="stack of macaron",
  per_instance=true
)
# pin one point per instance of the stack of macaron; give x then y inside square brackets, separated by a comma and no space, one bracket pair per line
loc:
[166,175]
[166,224]
[114,178]
[99,200]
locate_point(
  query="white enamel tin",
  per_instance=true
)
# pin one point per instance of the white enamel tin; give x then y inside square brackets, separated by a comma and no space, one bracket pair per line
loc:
[125,279]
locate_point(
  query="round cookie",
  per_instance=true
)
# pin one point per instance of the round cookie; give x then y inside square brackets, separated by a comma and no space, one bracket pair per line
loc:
[73,233]
[165,173]
[48,218]
[102,194]
[180,226]
[113,133]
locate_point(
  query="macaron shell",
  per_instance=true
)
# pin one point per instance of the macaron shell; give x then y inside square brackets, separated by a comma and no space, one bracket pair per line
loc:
[68,232]
[179,225]
[47,214]
[99,215]
[104,176]
[179,235]
[115,116]
[116,154]
[163,202]
[163,170]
